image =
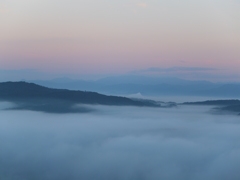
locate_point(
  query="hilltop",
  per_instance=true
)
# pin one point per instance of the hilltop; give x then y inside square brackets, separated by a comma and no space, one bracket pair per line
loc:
[35,97]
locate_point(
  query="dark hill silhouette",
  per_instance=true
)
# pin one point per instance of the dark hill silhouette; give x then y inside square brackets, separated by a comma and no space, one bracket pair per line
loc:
[232,105]
[215,102]
[34,97]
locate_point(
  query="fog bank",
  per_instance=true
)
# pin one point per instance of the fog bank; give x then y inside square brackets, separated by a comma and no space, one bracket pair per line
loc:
[122,143]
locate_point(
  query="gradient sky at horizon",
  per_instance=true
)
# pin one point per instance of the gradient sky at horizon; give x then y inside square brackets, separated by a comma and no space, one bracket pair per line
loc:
[117,37]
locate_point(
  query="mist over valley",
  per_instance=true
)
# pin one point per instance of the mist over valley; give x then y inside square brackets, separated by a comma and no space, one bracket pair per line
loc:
[122,142]
[151,140]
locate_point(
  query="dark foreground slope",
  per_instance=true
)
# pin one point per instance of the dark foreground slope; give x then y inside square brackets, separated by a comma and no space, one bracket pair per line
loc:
[34,97]
[232,105]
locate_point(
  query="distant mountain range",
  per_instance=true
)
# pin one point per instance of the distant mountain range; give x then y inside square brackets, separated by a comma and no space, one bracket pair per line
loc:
[147,86]
[35,97]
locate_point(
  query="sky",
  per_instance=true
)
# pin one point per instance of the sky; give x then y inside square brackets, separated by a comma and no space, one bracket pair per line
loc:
[119,37]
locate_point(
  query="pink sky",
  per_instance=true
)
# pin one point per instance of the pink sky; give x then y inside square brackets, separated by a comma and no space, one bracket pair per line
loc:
[92,37]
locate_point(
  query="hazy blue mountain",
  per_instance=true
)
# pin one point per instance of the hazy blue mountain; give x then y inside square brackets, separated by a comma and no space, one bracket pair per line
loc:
[66,83]
[228,90]
[148,86]
[141,80]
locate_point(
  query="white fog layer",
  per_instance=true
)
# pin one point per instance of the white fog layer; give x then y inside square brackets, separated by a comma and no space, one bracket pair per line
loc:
[120,143]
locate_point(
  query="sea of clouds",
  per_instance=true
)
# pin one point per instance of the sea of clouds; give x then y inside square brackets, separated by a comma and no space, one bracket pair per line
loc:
[120,143]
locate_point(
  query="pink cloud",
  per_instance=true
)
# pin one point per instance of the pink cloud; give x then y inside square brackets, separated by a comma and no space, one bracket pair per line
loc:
[144,5]
[3,9]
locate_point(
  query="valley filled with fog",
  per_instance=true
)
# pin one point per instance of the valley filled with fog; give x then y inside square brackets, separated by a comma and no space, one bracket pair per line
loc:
[121,143]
